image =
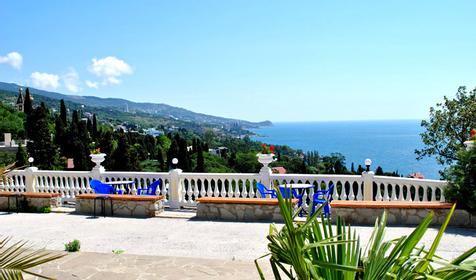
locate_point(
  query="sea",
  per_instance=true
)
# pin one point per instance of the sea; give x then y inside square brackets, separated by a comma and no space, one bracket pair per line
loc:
[389,144]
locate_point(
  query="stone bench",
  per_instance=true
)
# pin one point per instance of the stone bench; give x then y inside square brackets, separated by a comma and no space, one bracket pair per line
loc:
[122,205]
[29,201]
[240,209]
[399,212]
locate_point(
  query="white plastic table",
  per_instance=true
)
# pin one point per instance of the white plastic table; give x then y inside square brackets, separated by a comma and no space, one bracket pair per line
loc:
[122,183]
[297,186]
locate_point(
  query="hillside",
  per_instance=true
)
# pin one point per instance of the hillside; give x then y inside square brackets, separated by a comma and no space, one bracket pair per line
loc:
[151,109]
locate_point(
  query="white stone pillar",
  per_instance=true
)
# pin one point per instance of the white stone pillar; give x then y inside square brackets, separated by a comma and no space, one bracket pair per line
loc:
[30,179]
[368,178]
[175,188]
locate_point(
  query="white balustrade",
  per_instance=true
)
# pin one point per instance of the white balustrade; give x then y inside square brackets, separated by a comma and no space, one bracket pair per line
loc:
[182,188]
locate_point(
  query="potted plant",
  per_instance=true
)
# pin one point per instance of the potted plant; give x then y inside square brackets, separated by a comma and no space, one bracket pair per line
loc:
[472,138]
[266,156]
[97,157]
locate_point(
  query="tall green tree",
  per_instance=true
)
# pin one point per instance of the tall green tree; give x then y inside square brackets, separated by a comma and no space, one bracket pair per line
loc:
[462,180]
[63,112]
[121,157]
[21,156]
[160,159]
[95,133]
[200,160]
[40,146]
[448,126]
[29,120]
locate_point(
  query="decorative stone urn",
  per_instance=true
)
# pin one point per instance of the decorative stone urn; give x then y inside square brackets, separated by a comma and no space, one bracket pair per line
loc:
[98,159]
[469,144]
[265,159]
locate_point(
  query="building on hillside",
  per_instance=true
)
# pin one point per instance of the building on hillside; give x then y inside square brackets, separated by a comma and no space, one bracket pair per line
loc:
[20,104]
[20,100]
[416,175]
[220,151]
[279,170]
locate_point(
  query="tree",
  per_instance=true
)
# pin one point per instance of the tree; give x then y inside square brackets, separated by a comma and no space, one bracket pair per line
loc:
[379,171]
[95,134]
[352,168]
[160,159]
[462,180]
[121,156]
[40,146]
[27,103]
[448,127]
[21,156]
[200,161]
[63,112]
[28,109]
[60,135]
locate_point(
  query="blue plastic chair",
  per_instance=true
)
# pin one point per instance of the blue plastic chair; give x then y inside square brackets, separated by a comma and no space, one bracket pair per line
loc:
[265,191]
[323,197]
[286,193]
[102,188]
[150,189]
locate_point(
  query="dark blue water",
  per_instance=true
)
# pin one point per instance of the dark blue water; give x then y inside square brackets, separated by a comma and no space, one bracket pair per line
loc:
[390,144]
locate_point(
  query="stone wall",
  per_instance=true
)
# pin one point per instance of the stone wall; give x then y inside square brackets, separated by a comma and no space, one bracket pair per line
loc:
[239,212]
[36,203]
[124,208]
[403,216]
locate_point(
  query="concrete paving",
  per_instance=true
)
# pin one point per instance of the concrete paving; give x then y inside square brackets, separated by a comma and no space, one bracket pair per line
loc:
[182,241]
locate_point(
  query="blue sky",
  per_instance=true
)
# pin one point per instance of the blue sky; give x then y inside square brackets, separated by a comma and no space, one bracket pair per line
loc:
[254,60]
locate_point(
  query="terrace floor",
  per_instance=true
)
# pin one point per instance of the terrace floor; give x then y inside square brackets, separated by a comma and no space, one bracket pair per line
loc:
[172,245]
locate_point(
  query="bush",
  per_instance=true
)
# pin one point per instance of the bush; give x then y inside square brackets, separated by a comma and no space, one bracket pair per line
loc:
[72,246]
[45,209]
[462,181]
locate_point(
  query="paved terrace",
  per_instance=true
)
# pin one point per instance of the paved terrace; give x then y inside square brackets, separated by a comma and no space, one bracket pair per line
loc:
[168,246]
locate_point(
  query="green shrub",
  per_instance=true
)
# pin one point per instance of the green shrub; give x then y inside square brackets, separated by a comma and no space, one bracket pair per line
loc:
[72,246]
[45,209]
[462,181]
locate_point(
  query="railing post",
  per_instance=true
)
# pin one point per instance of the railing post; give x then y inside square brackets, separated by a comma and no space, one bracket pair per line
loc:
[175,188]
[265,177]
[368,178]
[30,179]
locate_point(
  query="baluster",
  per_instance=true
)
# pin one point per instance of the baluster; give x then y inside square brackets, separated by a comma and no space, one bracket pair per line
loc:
[190,191]
[223,187]
[425,193]
[442,195]
[378,196]
[335,192]
[385,193]
[195,189]
[237,187]
[394,192]
[409,193]
[252,192]
[360,196]
[203,190]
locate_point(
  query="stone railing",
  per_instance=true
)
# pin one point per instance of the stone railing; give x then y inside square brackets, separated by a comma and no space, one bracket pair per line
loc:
[182,189]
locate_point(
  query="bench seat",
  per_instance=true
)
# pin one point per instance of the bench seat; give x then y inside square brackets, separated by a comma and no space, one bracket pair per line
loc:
[240,209]
[33,201]
[122,205]
[400,213]
[390,204]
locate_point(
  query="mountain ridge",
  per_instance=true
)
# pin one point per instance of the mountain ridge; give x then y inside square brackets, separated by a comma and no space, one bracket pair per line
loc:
[158,109]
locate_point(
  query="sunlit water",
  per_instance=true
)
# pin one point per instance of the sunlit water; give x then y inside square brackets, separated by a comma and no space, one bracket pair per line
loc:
[390,144]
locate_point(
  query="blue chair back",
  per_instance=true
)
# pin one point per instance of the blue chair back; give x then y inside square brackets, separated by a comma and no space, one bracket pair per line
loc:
[262,189]
[287,193]
[101,188]
[151,189]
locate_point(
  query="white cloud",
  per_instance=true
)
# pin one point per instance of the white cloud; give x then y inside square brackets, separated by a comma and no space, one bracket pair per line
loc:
[90,84]
[45,80]
[14,59]
[110,69]
[71,81]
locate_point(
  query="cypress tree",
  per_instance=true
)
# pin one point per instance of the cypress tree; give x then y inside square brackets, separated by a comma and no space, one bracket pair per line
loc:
[200,160]
[89,126]
[60,135]
[106,145]
[63,113]
[30,120]
[352,168]
[121,156]
[27,104]
[160,159]
[40,146]
[95,133]
[172,153]
[183,155]
[379,171]
[21,156]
